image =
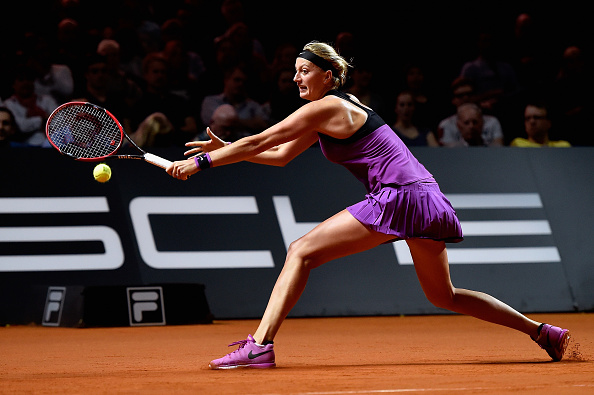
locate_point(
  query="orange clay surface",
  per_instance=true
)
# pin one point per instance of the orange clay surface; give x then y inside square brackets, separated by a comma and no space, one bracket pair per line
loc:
[367,355]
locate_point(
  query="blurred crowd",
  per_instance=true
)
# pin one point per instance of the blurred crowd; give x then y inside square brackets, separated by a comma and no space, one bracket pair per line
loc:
[168,70]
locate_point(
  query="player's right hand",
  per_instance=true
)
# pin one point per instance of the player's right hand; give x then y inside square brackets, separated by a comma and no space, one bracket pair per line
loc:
[182,169]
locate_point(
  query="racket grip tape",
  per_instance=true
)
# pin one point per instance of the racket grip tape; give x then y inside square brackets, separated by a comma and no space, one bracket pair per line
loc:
[157,160]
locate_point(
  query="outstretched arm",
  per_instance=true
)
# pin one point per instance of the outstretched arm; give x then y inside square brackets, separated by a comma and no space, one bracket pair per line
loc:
[282,154]
[287,139]
[278,155]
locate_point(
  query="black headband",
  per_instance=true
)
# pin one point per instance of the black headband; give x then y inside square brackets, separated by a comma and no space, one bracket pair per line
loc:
[318,61]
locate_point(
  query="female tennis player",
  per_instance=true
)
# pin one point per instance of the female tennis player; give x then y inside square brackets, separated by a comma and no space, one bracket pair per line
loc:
[403,202]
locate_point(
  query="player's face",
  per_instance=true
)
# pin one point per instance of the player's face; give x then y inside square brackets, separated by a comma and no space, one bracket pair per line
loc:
[311,80]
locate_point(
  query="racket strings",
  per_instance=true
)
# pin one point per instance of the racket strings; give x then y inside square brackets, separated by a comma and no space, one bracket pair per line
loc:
[84,132]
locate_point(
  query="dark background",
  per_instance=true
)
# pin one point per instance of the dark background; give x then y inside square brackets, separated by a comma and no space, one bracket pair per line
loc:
[439,35]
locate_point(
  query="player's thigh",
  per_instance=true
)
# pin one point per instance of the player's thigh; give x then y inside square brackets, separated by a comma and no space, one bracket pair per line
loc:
[338,236]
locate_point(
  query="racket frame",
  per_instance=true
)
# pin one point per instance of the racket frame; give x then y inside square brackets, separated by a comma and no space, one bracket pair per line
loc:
[147,157]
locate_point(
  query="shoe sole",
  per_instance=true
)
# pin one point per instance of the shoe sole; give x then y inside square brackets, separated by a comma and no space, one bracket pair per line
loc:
[253,365]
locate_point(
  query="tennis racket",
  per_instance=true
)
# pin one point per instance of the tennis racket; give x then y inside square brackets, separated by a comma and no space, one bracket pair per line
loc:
[87,132]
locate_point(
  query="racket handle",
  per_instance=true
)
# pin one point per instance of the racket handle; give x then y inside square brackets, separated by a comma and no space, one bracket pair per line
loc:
[157,160]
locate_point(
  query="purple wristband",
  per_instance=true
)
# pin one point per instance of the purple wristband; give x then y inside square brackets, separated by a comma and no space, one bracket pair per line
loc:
[203,162]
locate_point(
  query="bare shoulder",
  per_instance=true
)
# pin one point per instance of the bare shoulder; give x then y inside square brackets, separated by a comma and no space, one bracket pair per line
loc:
[325,106]
[338,104]
[336,117]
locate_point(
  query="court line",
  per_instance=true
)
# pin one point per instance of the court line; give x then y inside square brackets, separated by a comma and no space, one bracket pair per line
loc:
[413,390]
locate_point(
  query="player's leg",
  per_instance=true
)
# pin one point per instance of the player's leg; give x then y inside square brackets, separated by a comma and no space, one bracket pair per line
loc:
[431,264]
[338,236]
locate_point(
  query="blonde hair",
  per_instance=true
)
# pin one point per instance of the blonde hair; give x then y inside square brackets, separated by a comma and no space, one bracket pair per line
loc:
[327,52]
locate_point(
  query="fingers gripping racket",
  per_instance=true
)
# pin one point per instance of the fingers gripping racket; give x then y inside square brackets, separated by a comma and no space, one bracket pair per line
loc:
[87,132]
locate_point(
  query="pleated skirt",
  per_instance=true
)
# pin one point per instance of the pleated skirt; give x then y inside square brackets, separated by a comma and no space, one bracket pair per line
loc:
[418,210]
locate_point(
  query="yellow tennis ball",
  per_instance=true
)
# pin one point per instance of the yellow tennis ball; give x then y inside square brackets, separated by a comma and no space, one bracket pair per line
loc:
[102,172]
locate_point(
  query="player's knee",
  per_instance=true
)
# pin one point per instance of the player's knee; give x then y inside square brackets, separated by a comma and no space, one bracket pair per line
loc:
[299,253]
[294,247]
[443,300]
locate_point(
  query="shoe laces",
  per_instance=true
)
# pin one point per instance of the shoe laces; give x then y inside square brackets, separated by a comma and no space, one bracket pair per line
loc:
[241,343]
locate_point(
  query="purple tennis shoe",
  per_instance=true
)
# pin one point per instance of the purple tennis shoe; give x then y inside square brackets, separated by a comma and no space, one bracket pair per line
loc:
[248,355]
[553,340]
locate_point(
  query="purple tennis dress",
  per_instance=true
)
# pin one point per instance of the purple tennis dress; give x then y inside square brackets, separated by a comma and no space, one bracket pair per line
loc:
[403,199]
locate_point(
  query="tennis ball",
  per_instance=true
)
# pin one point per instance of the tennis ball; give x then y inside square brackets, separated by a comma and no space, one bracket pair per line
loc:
[102,172]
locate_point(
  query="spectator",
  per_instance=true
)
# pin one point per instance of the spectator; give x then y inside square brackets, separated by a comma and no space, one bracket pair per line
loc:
[30,110]
[537,124]
[96,90]
[198,27]
[251,115]
[409,133]
[224,57]
[172,29]
[362,87]
[250,54]
[149,36]
[71,48]
[284,98]
[530,59]
[185,69]
[493,78]
[154,131]
[284,57]
[118,82]
[52,78]
[470,130]
[416,83]
[233,11]
[138,32]
[236,28]
[223,125]
[448,131]
[168,109]
[346,45]
[8,128]
[130,53]
[185,64]
[462,92]
[572,97]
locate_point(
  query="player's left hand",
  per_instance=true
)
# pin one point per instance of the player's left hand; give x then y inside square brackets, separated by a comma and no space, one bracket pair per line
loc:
[182,169]
[214,143]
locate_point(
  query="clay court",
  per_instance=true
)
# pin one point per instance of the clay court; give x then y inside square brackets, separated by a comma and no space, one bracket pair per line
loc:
[366,355]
